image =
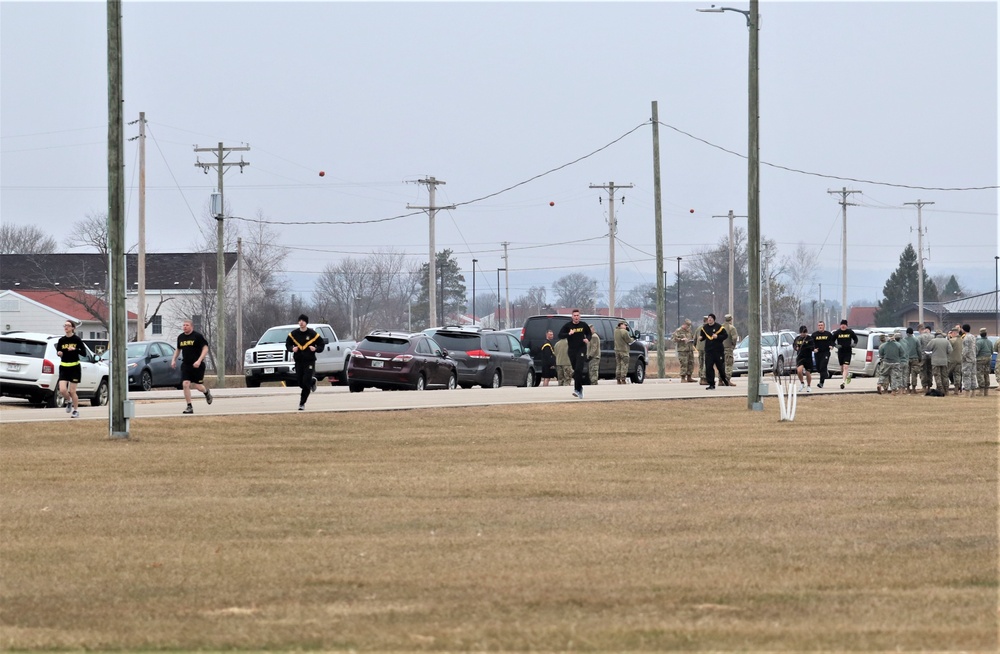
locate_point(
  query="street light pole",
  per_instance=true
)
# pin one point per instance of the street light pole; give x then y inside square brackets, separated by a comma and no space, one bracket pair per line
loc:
[499,270]
[474,262]
[678,291]
[732,259]
[754,371]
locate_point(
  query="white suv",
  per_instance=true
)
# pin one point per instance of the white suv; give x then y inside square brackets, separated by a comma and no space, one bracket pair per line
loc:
[29,369]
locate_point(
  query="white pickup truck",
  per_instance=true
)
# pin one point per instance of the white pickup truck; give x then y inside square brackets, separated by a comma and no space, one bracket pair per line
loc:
[268,361]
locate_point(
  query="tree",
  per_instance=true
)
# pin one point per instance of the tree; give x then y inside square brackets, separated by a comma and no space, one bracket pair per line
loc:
[800,277]
[643,296]
[25,239]
[576,290]
[451,290]
[900,290]
[952,289]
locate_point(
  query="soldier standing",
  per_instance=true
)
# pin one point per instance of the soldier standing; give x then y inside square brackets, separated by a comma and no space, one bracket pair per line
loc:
[732,340]
[969,384]
[594,356]
[983,353]
[683,337]
[700,345]
[911,352]
[713,336]
[955,359]
[563,373]
[940,351]
[622,342]
[925,338]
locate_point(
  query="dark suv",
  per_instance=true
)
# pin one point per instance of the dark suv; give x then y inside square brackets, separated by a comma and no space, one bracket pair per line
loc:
[395,360]
[533,337]
[485,357]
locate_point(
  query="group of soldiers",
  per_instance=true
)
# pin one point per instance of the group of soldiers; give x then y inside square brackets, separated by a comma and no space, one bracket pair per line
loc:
[687,341]
[564,366]
[958,363]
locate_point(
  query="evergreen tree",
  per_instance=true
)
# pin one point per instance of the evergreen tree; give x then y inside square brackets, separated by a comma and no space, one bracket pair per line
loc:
[451,290]
[901,289]
[952,290]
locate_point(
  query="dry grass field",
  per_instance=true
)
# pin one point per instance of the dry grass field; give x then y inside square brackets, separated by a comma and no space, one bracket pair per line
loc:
[868,524]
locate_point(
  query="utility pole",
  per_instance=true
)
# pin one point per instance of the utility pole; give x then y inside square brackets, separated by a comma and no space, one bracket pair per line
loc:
[506,282]
[610,187]
[661,281]
[843,243]
[431,210]
[220,278]
[239,303]
[732,259]
[119,409]
[140,330]
[474,262]
[920,258]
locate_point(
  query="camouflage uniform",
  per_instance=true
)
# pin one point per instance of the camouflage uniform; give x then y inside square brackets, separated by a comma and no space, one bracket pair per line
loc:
[926,378]
[983,352]
[729,345]
[940,348]
[594,356]
[969,364]
[684,338]
[891,354]
[700,346]
[912,365]
[996,370]
[564,370]
[955,361]
[622,342]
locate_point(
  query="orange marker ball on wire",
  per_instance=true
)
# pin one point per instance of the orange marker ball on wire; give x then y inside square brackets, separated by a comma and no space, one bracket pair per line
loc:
[692,211]
[322,173]
[552,204]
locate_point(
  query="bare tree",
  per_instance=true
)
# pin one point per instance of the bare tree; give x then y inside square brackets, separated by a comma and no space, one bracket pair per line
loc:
[800,275]
[576,290]
[25,239]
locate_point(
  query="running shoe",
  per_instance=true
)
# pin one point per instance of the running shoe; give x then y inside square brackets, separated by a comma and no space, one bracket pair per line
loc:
[578,395]
[208,395]
[849,378]
[809,389]
[69,407]
[75,414]
[189,409]
[302,407]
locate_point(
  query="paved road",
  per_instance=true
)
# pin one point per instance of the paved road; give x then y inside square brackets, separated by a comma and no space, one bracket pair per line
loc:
[250,401]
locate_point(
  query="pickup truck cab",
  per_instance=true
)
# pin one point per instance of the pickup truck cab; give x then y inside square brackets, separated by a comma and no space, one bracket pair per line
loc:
[267,360]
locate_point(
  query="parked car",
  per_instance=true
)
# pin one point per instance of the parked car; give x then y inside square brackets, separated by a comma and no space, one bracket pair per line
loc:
[397,360]
[533,337]
[267,359]
[149,365]
[29,369]
[776,353]
[485,357]
[993,358]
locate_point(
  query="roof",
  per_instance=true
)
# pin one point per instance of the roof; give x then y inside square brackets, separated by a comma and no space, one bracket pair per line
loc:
[77,305]
[861,316]
[983,303]
[164,271]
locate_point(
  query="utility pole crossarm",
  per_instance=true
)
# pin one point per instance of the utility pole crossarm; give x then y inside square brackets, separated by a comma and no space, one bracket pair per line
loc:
[431,210]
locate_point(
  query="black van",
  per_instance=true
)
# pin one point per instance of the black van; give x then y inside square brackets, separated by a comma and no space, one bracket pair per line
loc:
[533,337]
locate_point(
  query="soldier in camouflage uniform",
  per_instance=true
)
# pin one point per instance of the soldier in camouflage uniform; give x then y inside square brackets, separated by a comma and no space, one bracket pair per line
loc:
[623,339]
[729,345]
[969,384]
[564,369]
[683,337]
[983,354]
[926,376]
[911,351]
[594,355]
[955,359]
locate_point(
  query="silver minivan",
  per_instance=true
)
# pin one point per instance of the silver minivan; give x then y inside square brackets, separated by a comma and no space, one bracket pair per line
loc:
[776,353]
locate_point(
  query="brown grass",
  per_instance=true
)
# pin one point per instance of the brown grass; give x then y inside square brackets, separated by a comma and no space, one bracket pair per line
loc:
[683,525]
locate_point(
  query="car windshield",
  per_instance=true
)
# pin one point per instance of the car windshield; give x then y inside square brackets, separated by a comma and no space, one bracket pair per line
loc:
[274,335]
[457,342]
[384,344]
[134,350]
[21,348]
[766,340]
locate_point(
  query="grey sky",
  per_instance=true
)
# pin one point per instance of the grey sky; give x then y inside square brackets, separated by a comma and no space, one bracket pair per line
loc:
[487,95]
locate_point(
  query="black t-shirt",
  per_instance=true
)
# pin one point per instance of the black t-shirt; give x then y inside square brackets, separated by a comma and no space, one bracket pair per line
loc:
[71,347]
[303,340]
[574,335]
[714,336]
[822,341]
[191,346]
[803,345]
[845,338]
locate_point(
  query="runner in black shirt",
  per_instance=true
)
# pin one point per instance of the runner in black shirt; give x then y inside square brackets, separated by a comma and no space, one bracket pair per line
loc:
[845,339]
[803,345]
[577,335]
[822,341]
[194,348]
[69,348]
[304,343]
[714,336]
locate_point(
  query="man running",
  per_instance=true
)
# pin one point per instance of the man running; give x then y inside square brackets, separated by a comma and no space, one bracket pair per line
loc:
[577,335]
[822,342]
[68,349]
[803,346]
[304,343]
[194,348]
[844,339]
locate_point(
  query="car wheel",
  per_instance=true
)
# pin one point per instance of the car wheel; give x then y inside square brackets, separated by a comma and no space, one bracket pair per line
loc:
[356,387]
[252,383]
[453,382]
[53,400]
[101,394]
[421,383]
[529,379]
[639,375]
[342,375]
[147,380]
[497,380]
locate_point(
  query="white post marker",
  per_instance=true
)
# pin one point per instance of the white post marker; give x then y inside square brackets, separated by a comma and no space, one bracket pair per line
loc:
[787,400]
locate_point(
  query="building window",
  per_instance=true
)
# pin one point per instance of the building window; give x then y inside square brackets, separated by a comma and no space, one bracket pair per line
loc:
[156,324]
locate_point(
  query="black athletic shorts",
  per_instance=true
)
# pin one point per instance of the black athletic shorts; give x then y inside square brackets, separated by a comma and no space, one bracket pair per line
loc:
[70,373]
[191,374]
[844,356]
[804,361]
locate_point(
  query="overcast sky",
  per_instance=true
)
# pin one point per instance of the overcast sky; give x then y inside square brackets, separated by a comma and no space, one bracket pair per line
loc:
[486,96]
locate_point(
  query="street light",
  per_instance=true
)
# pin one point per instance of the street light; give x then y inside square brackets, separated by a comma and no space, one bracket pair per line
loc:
[732,259]
[499,270]
[678,291]
[753,205]
[474,262]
